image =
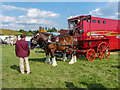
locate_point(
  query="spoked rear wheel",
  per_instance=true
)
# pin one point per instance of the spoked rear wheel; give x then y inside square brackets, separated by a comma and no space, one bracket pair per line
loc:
[90,55]
[103,50]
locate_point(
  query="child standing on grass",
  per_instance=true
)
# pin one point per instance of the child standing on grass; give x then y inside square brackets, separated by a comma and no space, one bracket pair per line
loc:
[22,51]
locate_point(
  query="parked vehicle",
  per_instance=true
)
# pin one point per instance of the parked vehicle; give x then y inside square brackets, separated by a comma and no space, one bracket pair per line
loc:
[94,35]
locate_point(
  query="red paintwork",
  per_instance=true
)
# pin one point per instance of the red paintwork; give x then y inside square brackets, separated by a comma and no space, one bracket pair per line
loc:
[90,55]
[107,32]
[93,37]
[102,52]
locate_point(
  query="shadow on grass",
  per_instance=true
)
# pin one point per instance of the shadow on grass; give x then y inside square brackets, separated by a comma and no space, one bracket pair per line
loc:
[84,58]
[37,59]
[116,67]
[91,86]
[15,67]
[97,57]
[42,59]
[70,85]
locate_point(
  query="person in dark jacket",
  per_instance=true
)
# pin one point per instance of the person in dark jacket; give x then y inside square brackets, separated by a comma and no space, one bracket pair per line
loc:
[22,51]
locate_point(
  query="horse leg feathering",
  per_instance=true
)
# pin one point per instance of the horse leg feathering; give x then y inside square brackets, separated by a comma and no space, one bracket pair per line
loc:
[74,59]
[64,57]
[54,63]
[47,59]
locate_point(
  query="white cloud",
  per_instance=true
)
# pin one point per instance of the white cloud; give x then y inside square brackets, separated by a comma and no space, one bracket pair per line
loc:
[7,19]
[10,8]
[70,17]
[118,13]
[36,13]
[32,13]
[109,10]
[26,23]
[21,17]
[73,16]
[36,16]
[33,21]
[96,11]
[15,26]
[30,21]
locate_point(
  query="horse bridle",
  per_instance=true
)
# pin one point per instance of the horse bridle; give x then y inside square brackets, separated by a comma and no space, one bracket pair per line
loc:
[36,35]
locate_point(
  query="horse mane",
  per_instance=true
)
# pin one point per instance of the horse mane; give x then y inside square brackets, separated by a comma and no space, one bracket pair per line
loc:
[45,36]
[42,36]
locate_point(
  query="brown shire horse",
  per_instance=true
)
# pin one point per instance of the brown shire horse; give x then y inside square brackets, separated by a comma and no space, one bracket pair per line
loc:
[61,43]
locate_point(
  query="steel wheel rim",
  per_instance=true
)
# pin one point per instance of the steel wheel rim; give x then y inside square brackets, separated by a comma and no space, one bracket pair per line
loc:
[103,50]
[90,55]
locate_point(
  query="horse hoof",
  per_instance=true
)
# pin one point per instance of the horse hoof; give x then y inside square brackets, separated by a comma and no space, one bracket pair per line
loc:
[63,60]
[46,62]
[50,63]
[71,62]
[75,61]
[54,64]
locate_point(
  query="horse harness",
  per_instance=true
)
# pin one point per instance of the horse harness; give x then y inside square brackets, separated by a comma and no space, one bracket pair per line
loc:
[57,41]
[49,40]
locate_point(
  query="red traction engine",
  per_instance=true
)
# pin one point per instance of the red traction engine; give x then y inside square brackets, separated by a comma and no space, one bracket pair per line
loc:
[89,43]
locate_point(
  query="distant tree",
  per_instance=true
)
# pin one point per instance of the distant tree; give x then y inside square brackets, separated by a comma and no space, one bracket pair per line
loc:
[40,28]
[21,30]
[49,30]
[54,29]
[34,31]
[45,28]
[30,31]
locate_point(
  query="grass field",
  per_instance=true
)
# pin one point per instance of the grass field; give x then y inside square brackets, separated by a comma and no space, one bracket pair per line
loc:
[83,74]
[9,32]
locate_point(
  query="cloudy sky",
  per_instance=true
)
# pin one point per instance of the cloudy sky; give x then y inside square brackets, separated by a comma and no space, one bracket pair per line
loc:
[31,15]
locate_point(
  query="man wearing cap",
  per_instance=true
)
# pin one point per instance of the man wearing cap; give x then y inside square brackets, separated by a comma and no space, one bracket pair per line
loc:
[22,51]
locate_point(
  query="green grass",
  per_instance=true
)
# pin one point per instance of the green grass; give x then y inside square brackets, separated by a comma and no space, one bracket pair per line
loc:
[14,32]
[9,32]
[83,74]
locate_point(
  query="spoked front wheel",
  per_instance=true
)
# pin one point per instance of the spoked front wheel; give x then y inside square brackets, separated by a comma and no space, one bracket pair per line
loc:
[90,55]
[103,50]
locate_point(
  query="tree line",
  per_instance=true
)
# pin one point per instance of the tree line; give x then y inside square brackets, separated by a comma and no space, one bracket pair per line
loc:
[30,32]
